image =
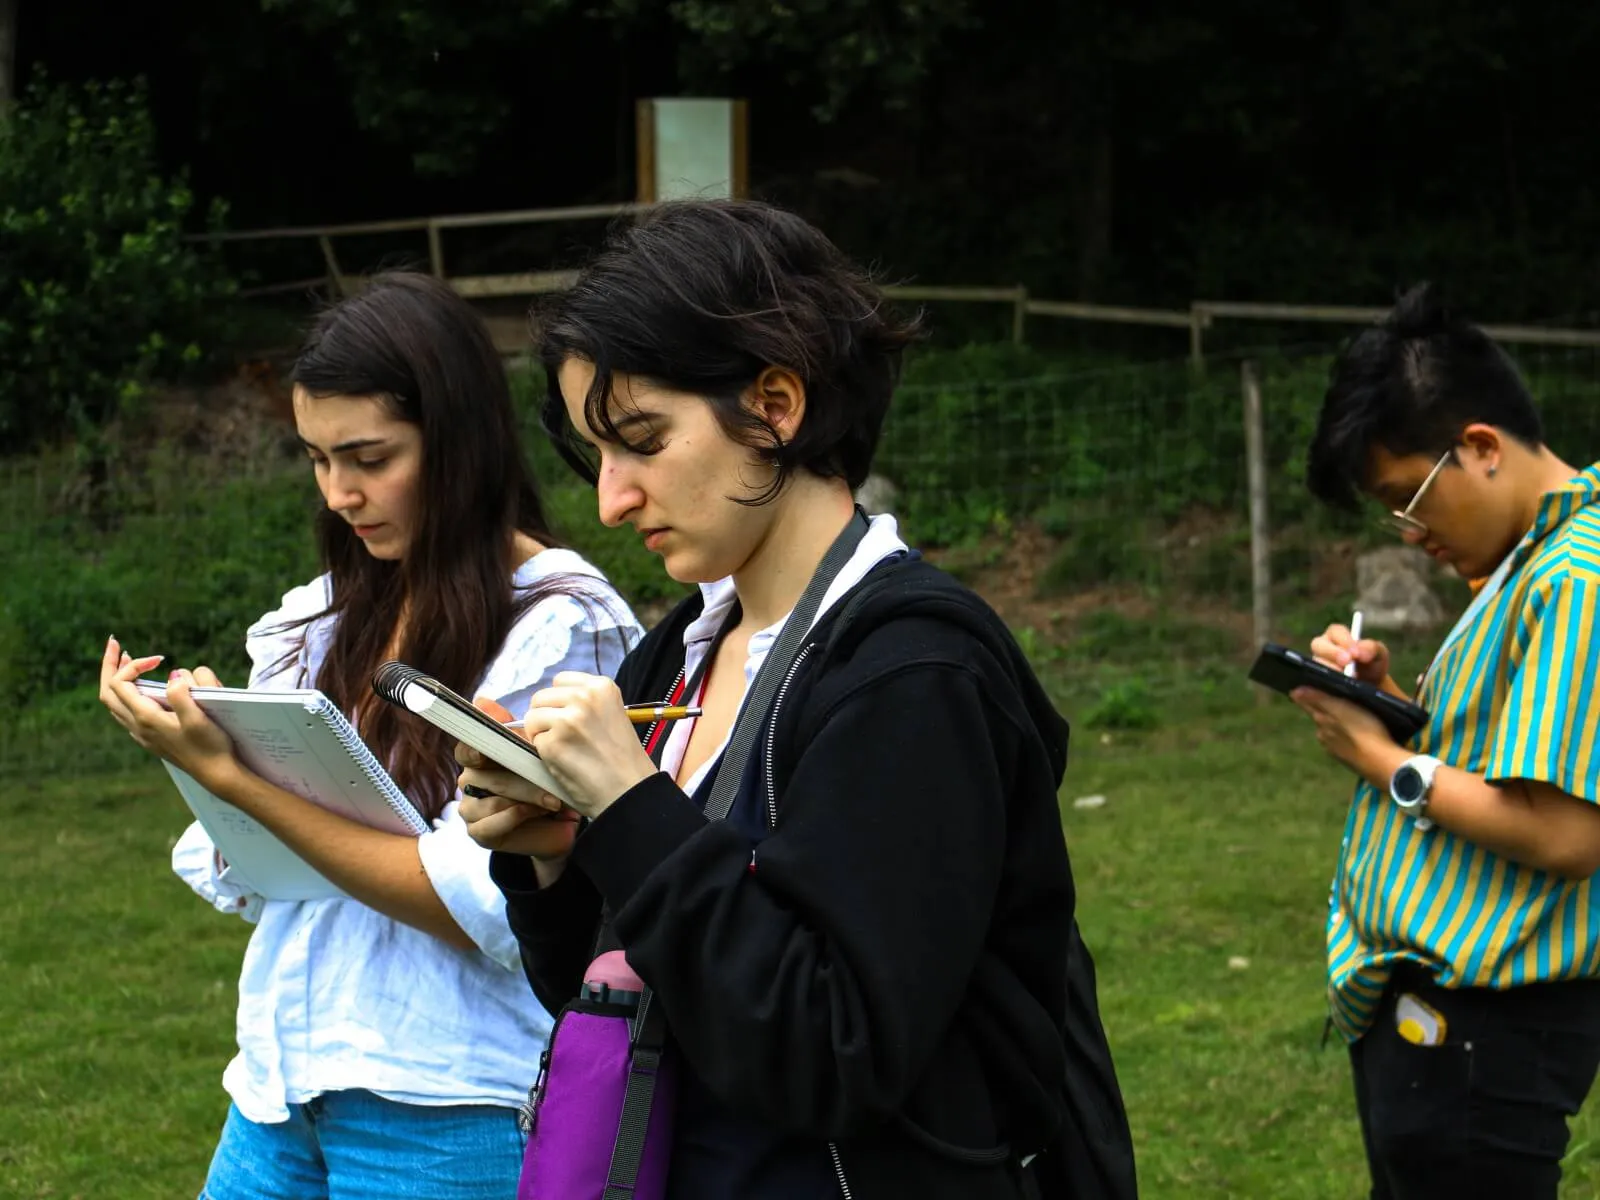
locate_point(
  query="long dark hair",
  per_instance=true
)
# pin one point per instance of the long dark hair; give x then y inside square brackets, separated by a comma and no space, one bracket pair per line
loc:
[703,296]
[411,341]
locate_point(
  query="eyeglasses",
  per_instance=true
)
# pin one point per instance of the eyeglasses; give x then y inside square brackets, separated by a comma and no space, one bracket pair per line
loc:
[1401,520]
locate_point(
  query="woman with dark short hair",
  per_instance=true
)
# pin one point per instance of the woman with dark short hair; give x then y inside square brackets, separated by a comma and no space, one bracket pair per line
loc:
[870,967]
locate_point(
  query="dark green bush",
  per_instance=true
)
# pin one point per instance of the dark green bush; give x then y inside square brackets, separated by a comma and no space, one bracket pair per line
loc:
[198,555]
[99,295]
[1100,551]
[183,579]
[1125,705]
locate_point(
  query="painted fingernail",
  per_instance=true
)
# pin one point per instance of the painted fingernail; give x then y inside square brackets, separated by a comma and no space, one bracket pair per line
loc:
[174,675]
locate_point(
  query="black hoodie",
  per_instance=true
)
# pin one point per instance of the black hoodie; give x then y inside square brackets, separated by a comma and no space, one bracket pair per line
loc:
[876,952]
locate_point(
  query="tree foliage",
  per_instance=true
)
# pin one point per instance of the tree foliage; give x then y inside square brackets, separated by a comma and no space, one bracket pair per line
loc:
[1149,153]
[424,72]
[415,68]
[98,291]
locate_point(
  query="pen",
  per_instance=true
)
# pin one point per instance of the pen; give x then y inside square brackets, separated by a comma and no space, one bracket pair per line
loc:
[1355,636]
[642,714]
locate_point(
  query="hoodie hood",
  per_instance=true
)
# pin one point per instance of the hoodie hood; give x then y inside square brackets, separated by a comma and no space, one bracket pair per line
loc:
[913,587]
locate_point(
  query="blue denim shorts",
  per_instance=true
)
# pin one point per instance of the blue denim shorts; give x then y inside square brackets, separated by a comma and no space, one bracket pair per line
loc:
[350,1144]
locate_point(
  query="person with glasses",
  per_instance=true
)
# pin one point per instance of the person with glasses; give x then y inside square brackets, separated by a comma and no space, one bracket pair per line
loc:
[1464,923]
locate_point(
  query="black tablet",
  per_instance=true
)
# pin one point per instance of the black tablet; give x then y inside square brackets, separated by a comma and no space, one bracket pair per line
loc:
[1284,670]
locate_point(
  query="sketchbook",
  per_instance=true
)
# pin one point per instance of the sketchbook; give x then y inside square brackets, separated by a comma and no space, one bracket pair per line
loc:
[408,688]
[301,742]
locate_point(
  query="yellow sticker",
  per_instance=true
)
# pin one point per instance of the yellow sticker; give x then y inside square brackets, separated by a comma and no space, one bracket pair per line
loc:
[1417,1023]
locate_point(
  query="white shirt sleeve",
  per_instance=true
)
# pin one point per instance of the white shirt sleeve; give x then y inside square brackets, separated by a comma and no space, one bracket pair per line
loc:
[458,868]
[557,634]
[198,864]
[278,642]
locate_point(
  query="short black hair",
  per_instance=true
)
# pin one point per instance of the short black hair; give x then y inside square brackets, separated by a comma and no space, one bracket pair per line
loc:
[702,296]
[1411,384]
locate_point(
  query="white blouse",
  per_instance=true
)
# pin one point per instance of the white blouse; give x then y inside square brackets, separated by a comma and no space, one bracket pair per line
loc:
[335,995]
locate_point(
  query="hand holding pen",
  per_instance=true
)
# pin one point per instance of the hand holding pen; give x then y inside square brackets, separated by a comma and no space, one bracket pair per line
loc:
[1345,650]
[1355,640]
[586,737]
[644,714]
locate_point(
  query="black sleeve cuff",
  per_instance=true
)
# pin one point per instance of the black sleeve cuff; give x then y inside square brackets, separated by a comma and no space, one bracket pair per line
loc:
[630,839]
[571,898]
[513,873]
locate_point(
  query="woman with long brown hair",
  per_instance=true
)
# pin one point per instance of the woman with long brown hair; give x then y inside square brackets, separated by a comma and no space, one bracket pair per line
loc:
[385,1039]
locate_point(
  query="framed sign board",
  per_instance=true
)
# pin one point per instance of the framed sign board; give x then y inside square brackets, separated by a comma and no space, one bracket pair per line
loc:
[692,148]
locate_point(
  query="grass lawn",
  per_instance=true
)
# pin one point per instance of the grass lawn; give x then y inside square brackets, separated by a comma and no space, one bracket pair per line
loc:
[1203,880]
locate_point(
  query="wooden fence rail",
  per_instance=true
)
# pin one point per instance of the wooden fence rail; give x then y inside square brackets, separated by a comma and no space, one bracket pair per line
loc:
[1197,318]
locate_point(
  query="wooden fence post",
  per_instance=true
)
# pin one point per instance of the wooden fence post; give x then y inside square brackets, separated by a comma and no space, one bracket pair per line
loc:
[335,277]
[1260,535]
[435,250]
[1019,317]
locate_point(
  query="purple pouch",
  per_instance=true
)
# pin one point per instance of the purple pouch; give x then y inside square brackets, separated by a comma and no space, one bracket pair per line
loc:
[600,1116]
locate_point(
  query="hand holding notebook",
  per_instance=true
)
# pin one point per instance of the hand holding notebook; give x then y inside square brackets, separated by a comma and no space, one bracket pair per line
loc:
[408,688]
[1284,670]
[298,741]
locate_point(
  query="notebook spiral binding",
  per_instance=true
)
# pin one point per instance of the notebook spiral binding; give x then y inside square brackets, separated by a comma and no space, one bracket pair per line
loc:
[324,710]
[390,681]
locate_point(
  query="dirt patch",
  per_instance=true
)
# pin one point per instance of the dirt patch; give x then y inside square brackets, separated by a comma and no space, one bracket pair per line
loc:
[1333,567]
[244,418]
[1006,570]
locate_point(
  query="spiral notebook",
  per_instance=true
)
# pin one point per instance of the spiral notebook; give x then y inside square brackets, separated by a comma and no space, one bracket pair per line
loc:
[301,742]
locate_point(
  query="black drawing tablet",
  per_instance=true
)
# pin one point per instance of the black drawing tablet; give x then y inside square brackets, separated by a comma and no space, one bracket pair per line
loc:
[1284,670]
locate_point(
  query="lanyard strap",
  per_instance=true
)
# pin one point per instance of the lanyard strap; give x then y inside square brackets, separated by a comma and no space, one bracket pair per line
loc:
[730,772]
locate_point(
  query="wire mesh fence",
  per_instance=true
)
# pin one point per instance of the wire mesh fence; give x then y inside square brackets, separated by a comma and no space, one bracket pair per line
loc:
[1137,472]
[1137,475]
[1104,490]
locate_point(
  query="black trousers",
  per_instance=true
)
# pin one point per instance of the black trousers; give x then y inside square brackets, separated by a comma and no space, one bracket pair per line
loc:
[1485,1113]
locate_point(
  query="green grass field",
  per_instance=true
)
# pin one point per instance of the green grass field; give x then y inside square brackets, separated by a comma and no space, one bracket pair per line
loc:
[1215,845]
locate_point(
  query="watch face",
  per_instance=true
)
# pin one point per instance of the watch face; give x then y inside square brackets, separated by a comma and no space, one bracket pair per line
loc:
[1408,785]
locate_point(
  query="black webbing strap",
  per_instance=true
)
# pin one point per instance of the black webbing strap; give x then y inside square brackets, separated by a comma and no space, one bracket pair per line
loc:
[647,1045]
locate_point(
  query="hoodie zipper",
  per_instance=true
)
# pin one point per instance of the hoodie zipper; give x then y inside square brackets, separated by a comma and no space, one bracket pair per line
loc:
[838,1170]
[650,733]
[772,732]
[772,821]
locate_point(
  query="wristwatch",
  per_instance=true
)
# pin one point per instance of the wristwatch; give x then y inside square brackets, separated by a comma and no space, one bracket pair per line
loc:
[1411,784]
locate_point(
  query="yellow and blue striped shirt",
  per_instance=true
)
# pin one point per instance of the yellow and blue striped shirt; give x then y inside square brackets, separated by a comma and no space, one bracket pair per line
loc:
[1515,694]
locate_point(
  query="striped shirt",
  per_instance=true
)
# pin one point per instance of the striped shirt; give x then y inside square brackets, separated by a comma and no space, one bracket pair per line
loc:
[1514,694]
